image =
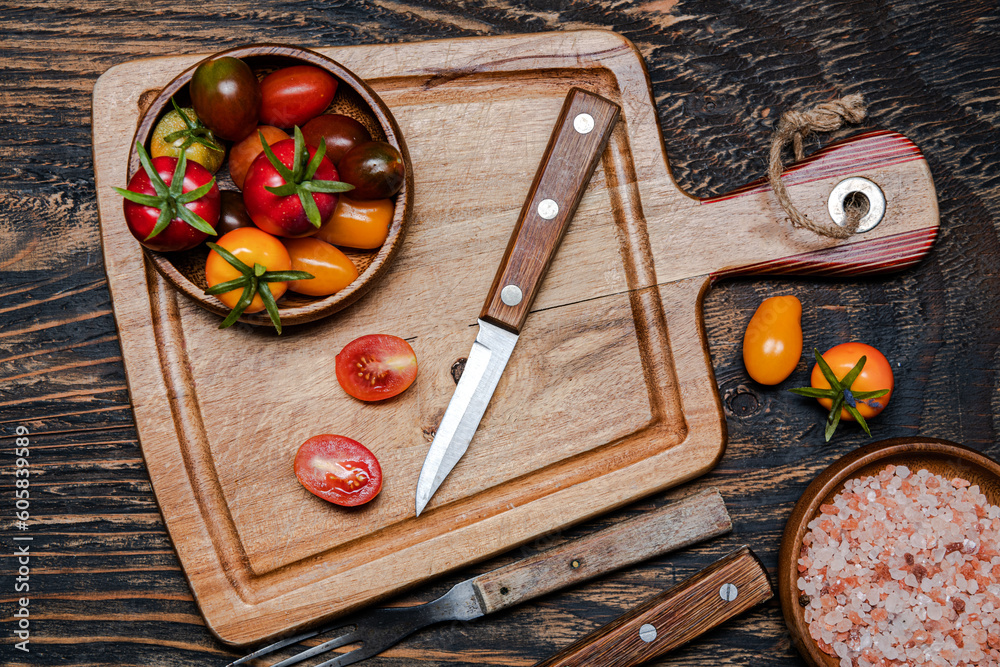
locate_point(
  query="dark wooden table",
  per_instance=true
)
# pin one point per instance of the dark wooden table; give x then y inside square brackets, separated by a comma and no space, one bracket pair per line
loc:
[105,584]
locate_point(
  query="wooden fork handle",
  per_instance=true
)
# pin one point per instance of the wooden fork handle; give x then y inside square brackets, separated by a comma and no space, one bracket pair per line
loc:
[722,590]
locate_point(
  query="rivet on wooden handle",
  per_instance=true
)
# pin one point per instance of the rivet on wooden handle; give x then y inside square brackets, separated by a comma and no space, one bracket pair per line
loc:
[679,524]
[722,590]
[576,144]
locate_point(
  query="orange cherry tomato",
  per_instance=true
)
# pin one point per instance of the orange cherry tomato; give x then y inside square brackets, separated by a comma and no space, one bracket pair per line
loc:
[251,246]
[876,375]
[333,269]
[358,224]
[244,152]
[772,344]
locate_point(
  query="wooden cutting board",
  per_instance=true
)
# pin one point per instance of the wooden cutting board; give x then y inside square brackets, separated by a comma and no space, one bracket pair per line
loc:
[608,397]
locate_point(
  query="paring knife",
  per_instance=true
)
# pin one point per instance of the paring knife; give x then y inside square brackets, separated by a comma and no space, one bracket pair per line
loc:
[721,591]
[576,144]
[687,521]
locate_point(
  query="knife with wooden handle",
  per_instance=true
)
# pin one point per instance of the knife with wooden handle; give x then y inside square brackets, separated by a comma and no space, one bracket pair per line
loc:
[721,591]
[580,136]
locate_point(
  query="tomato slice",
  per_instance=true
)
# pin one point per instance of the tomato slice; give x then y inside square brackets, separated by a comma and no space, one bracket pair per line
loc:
[338,469]
[376,367]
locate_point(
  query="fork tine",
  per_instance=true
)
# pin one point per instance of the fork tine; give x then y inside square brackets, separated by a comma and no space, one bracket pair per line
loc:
[351,657]
[271,648]
[337,642]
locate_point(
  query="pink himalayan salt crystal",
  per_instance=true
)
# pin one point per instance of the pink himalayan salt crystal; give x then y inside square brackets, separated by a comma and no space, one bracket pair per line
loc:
[903,568]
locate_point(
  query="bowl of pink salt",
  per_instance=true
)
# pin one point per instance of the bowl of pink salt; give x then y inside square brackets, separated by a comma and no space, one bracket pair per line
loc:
[892,557]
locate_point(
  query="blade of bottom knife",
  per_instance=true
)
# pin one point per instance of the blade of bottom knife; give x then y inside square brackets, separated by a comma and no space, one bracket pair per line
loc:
[483,369]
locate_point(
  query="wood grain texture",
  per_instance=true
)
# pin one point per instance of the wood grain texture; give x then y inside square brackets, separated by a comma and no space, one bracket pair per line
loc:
[246,538]
[673,617]
[110,590]
[689,521]
[567,164]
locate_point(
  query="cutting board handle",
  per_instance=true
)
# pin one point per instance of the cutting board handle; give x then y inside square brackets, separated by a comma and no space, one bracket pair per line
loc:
[756,237]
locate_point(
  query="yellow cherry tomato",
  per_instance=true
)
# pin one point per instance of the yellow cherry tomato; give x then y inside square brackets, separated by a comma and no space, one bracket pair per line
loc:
[333,269]
[772,344]
[173,123]
[358,224]
[251,246]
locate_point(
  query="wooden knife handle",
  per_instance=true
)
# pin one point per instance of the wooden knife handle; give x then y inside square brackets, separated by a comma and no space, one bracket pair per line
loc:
[576,144]
[717,593]
[679,524]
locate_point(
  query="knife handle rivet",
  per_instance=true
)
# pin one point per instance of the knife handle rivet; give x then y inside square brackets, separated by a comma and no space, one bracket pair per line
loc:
[511,295]
[647,633]
[503,590]
[548,209]
[575,564]
[728,592]
[583,123]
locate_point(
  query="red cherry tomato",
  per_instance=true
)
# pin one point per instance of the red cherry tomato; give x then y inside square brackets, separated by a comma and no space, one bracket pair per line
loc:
[338,469]
[341,134]
[375,367]
[293,95]
[876,375]
[226,96]
[284,215]
[178,234]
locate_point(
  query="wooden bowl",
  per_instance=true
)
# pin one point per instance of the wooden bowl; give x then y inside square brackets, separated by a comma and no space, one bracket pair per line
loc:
[186,269]
[941,457]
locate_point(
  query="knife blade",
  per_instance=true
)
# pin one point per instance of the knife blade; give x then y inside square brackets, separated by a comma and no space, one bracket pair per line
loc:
[575,146]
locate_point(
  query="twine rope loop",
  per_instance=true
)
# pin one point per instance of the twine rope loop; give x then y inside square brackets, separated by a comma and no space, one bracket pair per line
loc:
[795,127]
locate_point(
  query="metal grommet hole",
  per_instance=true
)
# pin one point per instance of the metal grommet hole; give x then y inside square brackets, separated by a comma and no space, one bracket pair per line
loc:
[860,194]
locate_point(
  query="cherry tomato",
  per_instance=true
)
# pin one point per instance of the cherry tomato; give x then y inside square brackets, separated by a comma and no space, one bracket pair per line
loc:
[226,96]
[283,215]
[772,344]
[375,169]
[232,213]
[293,95]
[358,224]
[191,137]
[375,367]
[333,269]
[242,154]
[251,246]
[876,375]
[338,469]
[179,234]
[341,134]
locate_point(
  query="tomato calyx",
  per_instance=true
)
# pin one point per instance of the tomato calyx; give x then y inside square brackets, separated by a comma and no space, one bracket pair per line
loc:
[299,179]
[171,200]
[840,392]
[253,281]
[195,132]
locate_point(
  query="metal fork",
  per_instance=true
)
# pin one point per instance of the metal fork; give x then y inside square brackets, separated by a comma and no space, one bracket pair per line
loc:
[679,524]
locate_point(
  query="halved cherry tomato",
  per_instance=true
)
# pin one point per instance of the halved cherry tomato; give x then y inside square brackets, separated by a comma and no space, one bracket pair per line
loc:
[338,469]
[293,95]
[251,246]
[876,375]
[333,269]
[341,134]
[375,367]
[772,344]
[243,153]
[358,224]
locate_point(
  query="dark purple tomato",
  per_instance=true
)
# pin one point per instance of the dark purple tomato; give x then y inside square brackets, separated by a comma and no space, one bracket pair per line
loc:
[341,134]
[232,213]
[293,95]
[374,168]
[226,96]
